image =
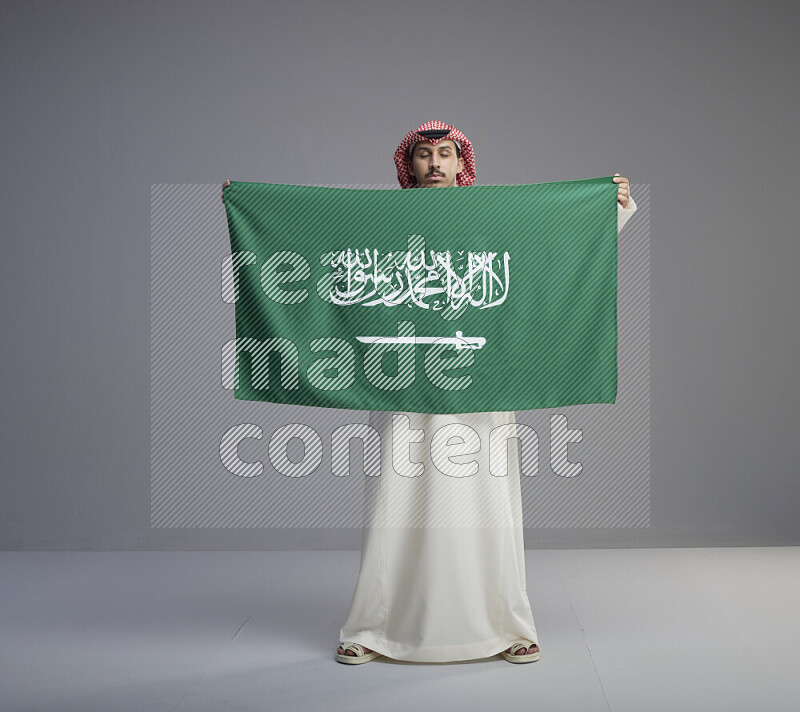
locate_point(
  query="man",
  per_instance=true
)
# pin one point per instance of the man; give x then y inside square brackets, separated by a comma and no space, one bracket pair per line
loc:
[431,594]
[410,602]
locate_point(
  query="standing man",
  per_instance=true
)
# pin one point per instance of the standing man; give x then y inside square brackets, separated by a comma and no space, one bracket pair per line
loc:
[433,594]
[430,592]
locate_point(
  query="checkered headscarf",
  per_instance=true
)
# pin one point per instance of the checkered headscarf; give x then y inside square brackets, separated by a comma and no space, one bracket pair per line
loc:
[434,131]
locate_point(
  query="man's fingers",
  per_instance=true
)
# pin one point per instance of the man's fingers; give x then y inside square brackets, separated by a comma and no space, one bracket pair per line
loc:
[623,194]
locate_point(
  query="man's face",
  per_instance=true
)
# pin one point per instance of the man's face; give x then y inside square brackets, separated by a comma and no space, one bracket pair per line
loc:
[436,166]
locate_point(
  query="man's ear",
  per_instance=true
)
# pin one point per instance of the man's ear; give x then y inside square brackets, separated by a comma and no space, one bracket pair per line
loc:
[460,165]
[411,168]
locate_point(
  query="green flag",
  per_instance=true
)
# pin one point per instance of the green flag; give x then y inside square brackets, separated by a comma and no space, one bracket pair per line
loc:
[431,300]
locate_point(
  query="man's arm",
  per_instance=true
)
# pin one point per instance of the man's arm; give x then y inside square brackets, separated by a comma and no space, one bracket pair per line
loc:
[625,214]
[625,205]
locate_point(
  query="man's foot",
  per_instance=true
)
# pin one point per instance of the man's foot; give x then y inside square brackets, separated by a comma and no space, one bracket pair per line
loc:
[354,653]
[350,651]
[522,651]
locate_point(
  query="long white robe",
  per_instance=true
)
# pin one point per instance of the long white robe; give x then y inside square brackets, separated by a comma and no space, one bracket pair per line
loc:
[442,574]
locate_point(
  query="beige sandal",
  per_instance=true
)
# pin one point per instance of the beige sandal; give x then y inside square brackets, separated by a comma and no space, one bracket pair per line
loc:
[512,657]
[361,656]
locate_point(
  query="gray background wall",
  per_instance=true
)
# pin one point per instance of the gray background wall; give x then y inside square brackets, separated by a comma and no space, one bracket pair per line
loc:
[101,100]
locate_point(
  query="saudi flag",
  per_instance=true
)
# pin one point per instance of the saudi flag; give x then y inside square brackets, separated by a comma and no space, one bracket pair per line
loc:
[429,300]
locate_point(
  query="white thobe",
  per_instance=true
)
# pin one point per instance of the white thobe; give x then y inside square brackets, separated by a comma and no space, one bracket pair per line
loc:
[442,574]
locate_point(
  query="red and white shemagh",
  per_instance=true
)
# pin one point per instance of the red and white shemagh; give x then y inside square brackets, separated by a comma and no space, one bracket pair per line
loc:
[434,131]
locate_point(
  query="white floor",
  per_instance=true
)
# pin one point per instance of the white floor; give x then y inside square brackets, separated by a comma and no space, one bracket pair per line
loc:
[638,630]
